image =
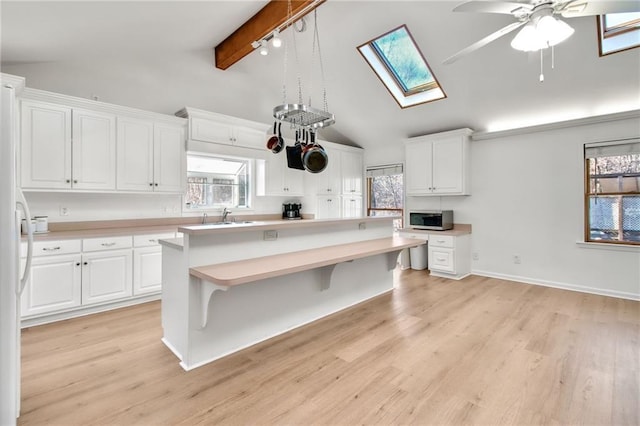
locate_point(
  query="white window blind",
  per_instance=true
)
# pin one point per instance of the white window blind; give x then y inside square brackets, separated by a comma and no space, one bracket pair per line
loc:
[609,149]
[386,170]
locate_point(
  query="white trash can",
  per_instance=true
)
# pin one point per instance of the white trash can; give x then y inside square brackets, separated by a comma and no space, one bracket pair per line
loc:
[418,257]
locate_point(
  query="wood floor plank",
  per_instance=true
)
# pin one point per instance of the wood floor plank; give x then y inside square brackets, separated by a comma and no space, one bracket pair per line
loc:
[434,351]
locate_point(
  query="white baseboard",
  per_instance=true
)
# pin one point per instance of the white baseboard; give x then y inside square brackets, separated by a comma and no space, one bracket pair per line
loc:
[560,285]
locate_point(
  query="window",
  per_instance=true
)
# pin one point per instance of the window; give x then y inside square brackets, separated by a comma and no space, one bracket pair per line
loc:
[217,182]
[612,192]
[399,64]
[618,31]
[385,192]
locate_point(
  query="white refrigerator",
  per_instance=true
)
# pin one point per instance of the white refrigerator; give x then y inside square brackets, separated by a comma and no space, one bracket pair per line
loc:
[12,278]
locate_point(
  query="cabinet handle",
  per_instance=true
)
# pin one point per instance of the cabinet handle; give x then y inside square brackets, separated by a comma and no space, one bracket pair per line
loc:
[153,241]
[155,184]
[85,263]
[108,244]
[441,241]
[68,180]
[51,248]
[150,183]
[440,259]
[75,181]
[78,264]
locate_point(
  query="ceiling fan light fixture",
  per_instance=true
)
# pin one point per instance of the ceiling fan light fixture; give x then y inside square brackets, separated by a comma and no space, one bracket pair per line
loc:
[528,39]
[553,31]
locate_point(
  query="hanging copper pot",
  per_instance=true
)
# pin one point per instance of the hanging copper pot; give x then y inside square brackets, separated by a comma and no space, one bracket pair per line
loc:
[275,143]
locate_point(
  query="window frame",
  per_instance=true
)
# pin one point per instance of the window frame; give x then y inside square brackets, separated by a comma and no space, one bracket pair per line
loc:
[420,94]
[250,190]
[588,195]
[604,33]
[369,183]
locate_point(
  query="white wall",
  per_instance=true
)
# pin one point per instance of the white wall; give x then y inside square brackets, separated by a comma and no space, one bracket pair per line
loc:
[527,200]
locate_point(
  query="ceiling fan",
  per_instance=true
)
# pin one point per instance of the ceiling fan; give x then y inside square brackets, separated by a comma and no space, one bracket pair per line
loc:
[540,29]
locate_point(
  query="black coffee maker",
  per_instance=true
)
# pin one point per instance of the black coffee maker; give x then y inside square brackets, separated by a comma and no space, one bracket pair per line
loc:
[291,211]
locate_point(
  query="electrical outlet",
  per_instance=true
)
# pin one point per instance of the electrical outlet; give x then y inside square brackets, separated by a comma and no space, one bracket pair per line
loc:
[64,211]
[362,225]
[270,235]
[476,256]
[516,259]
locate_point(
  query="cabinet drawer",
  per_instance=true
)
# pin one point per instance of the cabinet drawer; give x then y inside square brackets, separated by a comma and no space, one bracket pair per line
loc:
[417,236]
[442,259]
[150,240]
[48,248]
[442,241]
[106,243]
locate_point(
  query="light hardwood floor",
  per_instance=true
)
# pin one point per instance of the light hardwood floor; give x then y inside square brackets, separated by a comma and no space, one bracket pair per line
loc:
[434,351]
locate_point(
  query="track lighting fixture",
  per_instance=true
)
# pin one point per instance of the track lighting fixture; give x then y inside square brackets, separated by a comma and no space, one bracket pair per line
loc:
[276,41]
[264,51]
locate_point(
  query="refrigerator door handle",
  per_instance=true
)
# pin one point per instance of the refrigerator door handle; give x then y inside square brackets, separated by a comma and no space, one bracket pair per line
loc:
[22,202]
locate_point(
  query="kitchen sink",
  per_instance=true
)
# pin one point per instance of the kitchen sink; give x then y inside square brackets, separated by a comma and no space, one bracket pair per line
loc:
[240,222]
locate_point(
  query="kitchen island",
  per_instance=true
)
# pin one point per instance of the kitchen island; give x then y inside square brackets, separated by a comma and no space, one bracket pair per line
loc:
[229,286]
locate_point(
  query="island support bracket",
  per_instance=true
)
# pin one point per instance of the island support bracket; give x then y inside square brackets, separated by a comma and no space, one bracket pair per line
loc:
[206,291]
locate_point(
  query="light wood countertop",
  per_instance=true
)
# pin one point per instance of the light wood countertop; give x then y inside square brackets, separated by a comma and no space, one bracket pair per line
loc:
[260,268]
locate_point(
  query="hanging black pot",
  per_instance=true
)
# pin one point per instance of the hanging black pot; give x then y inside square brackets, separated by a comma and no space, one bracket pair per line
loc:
[314,157]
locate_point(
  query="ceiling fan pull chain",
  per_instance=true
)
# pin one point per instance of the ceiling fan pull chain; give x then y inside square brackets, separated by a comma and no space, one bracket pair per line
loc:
[541,66]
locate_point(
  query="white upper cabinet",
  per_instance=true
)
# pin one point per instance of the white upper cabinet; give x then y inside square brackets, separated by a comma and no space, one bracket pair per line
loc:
[65,148]
[45,146]
[135,154]
[93,150]
[76,144]
[329,181]
[151,157]
[352,172]
[275,178]
[170,161]
[205,126]
[438,164]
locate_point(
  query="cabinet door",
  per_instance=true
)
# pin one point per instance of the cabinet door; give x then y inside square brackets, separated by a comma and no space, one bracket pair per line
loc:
[351,206]
[147,270]
[45,145]
[53,285]
[106,276]
[418,158]
[448,171]
[211,131]
[135,154]
[280,180]
[293,183]
[352,172]
[94,150]
[329,181]
[328,207]
[169,158]
[250,138]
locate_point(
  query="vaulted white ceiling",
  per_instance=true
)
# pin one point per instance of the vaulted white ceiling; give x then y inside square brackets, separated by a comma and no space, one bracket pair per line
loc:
[158,56]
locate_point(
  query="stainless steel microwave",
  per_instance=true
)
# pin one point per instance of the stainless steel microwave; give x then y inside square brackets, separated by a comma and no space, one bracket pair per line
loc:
[438,220]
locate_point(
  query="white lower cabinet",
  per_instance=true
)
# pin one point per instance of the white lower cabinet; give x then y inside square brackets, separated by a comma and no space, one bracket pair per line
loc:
[328,207]
[450,256]
[53,285]
[71,276]
[351,206]
[106,276]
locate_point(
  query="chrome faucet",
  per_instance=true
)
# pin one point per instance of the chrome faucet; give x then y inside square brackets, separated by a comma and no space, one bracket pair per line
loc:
[225,213]
[204,218]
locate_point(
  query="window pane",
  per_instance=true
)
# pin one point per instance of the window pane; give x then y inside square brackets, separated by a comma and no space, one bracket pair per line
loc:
[403,59]
[613,20]
[386,192]
[631,218]
[216,182]
[604,218]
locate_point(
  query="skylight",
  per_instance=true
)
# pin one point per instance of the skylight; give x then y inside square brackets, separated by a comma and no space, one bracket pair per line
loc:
[618,31]
[399,64]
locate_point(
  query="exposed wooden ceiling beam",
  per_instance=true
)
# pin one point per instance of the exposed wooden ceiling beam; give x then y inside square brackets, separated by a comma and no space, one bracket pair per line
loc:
[273,15]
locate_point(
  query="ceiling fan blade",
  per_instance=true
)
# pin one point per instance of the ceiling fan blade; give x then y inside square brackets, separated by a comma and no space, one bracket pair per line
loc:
[579,8]
[504,7]
[483,42]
